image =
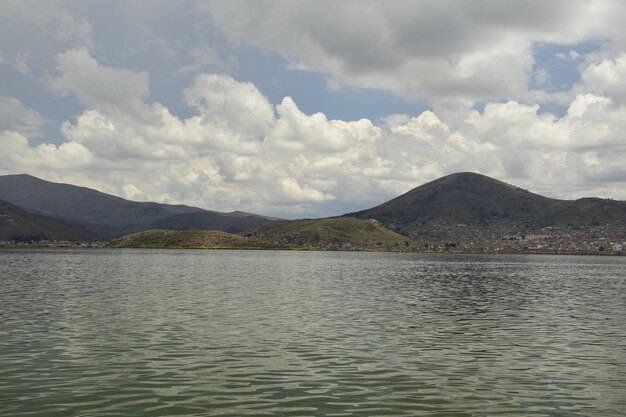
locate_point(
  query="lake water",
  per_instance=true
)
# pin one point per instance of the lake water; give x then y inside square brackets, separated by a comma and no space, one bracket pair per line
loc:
[262,333]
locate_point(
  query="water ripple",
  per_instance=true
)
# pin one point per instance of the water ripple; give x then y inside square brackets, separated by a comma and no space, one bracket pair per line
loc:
[229,333]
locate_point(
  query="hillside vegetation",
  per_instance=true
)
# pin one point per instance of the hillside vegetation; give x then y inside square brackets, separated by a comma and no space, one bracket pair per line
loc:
[330,231]
[474,199]
[208,239]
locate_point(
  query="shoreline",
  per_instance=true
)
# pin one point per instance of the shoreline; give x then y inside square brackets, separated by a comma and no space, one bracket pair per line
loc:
[105,245]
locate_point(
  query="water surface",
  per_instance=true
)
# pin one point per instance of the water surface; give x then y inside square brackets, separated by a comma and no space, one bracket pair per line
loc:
[263,333]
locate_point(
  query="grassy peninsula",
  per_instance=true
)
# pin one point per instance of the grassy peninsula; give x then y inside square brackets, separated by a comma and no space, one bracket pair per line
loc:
[328,234]
[186,239]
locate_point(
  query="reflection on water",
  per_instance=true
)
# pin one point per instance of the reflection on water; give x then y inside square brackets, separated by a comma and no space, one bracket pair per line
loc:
[118,333]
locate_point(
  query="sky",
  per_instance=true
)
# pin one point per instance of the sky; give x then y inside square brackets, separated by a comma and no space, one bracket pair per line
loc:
[313,108]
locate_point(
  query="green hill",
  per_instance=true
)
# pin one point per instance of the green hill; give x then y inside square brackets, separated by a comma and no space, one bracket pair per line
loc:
[475,199]
[17,224]
[208,239]
[330,231]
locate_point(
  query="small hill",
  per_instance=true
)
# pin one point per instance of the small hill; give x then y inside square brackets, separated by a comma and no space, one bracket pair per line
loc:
[17,224]
[113,216]
[189,239]
[330,231]
[475,199]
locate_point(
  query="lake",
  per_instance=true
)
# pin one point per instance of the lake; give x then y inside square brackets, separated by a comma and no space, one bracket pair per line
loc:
[269,333]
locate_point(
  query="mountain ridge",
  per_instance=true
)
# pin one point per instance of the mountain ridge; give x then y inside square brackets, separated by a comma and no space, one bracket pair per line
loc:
[17,224]
[113,216]
[441,210]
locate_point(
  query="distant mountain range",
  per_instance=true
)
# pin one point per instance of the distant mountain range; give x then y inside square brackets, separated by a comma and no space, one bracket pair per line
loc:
[434,211]
[474,199]
[109,216]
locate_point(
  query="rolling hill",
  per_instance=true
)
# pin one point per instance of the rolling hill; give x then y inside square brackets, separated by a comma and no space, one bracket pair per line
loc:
[113,216]
[17,224]
[185,239]
[330,231]
[475,199]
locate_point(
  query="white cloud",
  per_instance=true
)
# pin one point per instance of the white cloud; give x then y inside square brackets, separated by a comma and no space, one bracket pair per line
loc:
[238,151]
[298,194]
[99,87]
[18,155]
[607,77]
[427,126]
[298,132]
[234,105]
[15,117]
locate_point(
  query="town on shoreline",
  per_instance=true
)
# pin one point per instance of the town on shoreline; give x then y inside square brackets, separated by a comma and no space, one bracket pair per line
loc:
[459,238]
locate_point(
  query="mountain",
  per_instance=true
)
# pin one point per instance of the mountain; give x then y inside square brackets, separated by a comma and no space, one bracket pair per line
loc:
[334,231]
[113,216]
[475,199]
[17,224]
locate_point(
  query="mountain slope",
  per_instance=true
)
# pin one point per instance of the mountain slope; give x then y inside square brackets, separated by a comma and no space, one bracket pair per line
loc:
[109,215]
[17,224]
[585,211]
[475,199]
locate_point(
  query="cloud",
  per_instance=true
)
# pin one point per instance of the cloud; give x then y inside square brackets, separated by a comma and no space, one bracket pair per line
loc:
[96,86]
[294,192]
[32,32]
[239,151]
[239,107]
[298,132]
[19,156]
[15,117]
[481,50]
[205,58]
[607,77]
[50,18]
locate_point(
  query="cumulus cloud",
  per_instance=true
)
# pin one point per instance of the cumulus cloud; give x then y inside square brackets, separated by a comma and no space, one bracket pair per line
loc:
[241,152]
[607,77]
[240,107]
[19,156]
